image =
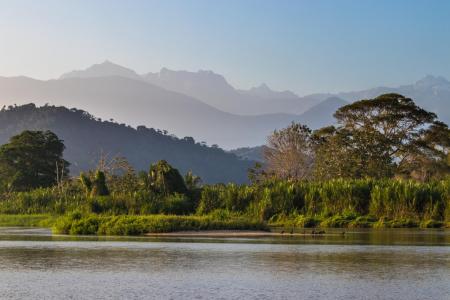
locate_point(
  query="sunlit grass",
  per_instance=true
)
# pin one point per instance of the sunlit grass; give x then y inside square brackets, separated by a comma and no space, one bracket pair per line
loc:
[27,220]
[138,225]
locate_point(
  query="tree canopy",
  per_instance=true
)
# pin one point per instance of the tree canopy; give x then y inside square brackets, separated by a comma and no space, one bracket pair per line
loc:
[382,137]
[165,179]
[32,159]
[378,138]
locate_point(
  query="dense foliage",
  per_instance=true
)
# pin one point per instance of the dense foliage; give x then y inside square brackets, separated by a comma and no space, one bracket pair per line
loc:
[32,159]
[166,180]
[381,138]
[361,202]
[386,137]
[138,225]
[385,164]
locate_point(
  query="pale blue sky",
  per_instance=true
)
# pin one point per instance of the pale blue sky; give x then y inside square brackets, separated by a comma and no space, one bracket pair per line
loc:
[304,46]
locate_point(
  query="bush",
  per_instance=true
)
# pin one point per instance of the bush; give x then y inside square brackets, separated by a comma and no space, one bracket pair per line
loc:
[396,223]
[432,224]
[138,225]
[338,221]
[27,220]
[209,200]
[176,204]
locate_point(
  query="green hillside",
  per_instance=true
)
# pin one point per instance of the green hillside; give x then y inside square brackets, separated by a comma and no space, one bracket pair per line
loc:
[87,137]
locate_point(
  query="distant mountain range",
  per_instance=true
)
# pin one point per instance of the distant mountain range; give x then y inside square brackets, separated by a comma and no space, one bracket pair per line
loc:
[210,88]
[430,92]
[201,104]
[86,138]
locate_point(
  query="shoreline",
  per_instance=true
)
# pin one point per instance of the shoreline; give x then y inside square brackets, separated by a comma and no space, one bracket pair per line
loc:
[235,233]
[201,226]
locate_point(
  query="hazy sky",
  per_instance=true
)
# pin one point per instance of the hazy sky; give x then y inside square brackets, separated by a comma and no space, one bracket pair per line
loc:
[304,46]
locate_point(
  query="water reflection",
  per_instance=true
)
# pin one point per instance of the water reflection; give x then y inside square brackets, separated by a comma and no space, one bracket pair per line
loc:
[406,236]
[367,265]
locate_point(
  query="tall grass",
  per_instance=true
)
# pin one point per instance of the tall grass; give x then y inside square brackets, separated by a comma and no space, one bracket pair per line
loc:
[27,220]
[391,199]
[339,202]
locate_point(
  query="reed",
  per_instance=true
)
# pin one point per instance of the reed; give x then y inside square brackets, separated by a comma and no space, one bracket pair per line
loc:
[333,203]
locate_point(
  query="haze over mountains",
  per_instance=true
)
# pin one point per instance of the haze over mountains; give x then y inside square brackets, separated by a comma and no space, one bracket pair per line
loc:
[430,92]
[201,104]
[210,88]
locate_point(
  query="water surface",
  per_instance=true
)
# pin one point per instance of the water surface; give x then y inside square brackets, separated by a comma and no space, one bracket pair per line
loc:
[365,264]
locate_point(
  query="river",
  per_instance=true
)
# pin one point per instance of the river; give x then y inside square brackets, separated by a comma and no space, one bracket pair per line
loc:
[360,264]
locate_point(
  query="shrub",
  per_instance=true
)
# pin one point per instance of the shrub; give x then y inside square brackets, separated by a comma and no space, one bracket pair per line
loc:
[209,200]
[176,204]
[138,225]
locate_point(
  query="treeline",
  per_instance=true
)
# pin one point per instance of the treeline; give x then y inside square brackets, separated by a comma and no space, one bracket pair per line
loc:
[385,137]
[385,165]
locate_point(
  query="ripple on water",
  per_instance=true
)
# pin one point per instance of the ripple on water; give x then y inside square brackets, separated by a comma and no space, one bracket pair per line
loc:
[39,266]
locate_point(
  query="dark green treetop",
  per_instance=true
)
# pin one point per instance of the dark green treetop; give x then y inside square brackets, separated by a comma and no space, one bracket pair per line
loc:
[32,159]
[165,179]
[380,137]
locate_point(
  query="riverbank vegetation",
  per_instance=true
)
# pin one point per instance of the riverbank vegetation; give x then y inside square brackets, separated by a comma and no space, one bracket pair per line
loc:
[28,220]
[137,225]
[385,165]
[334,203]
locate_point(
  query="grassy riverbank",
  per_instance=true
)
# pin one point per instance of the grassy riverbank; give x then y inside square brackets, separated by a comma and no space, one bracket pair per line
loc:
[353,221]
[138,210]
[92,224]
[36,220]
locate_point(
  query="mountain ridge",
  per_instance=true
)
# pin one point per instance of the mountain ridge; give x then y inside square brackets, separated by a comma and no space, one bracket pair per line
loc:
[207,86]
[431,92]
[137,102]
[175,101]
[104,69]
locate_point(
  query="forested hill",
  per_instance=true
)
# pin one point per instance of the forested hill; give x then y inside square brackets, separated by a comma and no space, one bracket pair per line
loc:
[86,137]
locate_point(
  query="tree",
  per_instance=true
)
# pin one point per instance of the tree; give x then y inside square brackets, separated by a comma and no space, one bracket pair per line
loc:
[87,183]
[257,174]
[165,179]
[119,173]
[431,158]
[380,137]
[96,186]
[32,159]
[335,158]
[289,152]
[99,187]
[192,181]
